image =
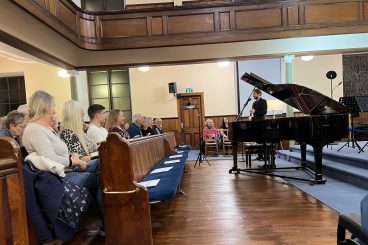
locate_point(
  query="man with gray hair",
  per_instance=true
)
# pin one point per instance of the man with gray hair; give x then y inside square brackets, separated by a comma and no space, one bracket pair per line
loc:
[134,130]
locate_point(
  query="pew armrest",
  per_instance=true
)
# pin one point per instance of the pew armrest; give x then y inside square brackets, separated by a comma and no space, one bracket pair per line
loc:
[352,223]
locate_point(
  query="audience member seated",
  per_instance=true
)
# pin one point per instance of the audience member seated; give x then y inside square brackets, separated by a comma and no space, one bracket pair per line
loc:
[146,127]
[115,122]
[126,126]
[134,130]
[225,123]
[95,131]
[211,137]
[157,126]
[49,153]
[13,127]
[210,130]
[55,124]
[71,131]
[2,122]
[106,115]
[23,109]
[77,141]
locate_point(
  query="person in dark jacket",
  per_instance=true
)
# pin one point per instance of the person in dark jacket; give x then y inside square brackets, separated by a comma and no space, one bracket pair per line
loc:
[259,108]
[134,130]
[258,112]
[14,125]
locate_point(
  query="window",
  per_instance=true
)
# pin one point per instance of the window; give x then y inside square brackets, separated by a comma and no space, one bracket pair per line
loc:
[111,89]
[12,94]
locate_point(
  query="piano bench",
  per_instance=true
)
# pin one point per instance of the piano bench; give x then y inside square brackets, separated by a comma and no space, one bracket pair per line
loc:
[250,149]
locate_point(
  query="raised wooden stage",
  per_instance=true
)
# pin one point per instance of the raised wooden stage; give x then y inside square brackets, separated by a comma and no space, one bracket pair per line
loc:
[237,209]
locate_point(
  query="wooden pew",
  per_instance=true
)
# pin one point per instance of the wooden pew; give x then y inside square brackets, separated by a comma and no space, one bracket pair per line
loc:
[126,204]
[13,223]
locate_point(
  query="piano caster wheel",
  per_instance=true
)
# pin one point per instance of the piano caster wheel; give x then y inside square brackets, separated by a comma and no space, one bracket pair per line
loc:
[311,182]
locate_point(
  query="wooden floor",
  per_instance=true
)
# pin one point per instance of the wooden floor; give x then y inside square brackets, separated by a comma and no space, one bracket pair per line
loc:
[220,208]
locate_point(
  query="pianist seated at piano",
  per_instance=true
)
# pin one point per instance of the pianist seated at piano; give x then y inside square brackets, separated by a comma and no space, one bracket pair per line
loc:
[259,107]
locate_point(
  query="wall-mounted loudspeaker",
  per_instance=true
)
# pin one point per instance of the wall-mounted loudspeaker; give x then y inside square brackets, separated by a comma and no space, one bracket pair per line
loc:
[172,88]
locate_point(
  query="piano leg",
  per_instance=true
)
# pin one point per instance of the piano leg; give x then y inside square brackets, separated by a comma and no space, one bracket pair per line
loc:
[303,148]
[265,156]
[235,158]
[318,164]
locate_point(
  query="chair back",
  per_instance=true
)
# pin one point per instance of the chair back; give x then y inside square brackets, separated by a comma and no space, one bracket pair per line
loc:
[225,132]
[211,137]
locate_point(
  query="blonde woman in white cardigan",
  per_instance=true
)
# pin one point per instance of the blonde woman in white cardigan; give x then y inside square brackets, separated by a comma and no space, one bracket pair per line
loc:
[40,138]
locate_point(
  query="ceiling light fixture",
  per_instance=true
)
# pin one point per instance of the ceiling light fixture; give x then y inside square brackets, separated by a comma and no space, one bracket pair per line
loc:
[223,64]
[307,57]
[144,68]
[63,73]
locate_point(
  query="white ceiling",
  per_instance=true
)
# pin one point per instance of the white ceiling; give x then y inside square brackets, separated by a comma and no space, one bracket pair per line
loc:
[8,52]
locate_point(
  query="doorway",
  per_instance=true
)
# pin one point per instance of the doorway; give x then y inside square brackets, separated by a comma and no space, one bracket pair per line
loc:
[191,117]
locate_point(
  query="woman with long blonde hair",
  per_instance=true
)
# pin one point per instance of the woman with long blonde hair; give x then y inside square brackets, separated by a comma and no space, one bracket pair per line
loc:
[71,131]
[39,137]
[115,123]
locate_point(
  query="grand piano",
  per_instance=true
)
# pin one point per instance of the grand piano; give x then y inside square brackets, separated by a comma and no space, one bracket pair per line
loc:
[325,120]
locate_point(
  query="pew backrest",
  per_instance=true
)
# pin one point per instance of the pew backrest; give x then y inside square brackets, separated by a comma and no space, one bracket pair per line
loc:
[13,223]
[126,204]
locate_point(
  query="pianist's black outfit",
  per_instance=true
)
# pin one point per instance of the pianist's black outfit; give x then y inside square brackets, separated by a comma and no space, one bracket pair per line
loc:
[260,109]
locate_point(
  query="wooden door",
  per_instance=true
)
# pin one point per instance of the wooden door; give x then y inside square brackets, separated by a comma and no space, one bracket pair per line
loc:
[191,117]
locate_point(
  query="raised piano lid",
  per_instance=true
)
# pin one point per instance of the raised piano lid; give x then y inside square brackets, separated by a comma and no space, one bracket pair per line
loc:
[302,98]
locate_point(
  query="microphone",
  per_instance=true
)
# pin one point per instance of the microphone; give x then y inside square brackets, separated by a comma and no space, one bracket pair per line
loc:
[337,85]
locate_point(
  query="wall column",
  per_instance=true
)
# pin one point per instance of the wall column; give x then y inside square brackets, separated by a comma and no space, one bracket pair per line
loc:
[73,88]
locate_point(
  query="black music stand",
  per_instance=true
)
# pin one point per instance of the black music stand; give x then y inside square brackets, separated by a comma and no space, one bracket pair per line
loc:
[352,103]
[201,155]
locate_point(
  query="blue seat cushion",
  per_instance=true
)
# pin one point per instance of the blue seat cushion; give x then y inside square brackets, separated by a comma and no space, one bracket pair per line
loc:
[169,181]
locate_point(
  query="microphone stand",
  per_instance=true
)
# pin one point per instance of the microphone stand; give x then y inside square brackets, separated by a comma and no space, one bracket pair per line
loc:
[241,113]
[245,104]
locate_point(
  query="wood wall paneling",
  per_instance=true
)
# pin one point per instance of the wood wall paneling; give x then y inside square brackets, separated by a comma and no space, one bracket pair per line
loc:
[66,15]
[258,18]
[191,23]
[334,12]
[293,15]
[225,21]
[157,26]
[134,27]
[170,124]
[87,28]
[365,11]
[42,3]
[52,7]
[188,138]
